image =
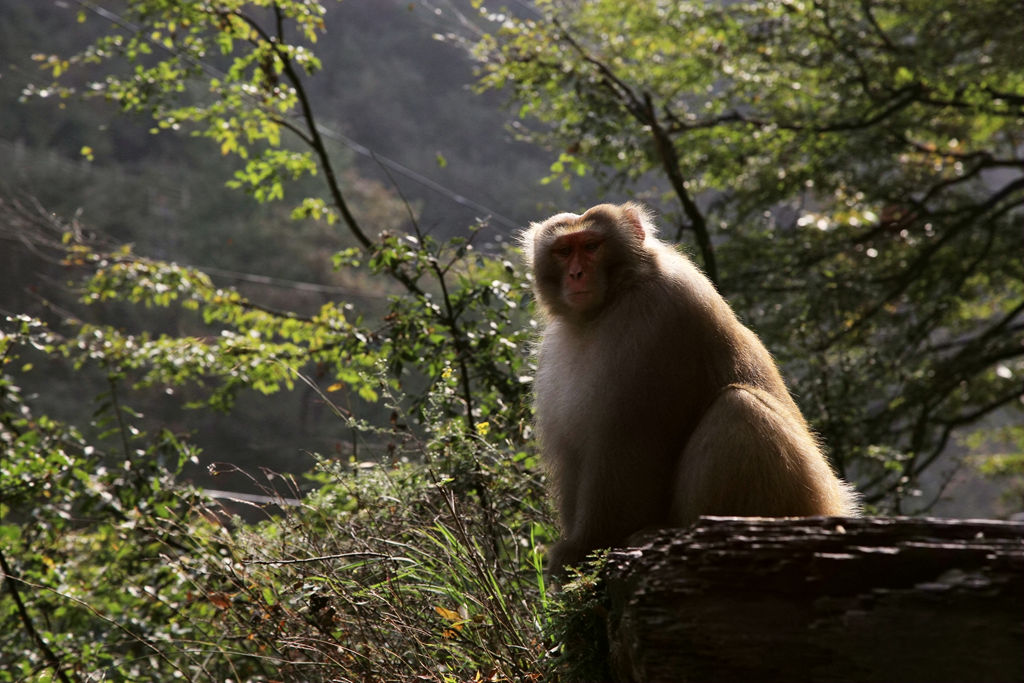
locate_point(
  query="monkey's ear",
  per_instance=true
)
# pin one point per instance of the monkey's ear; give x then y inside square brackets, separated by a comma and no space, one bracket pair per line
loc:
[638,218]
[535,238]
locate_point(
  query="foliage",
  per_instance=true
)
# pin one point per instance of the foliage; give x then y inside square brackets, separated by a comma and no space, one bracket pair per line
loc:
[1003,460]
[386,572]
[256,96]
[428,562]
[824,157]
[579,622]
[849,173]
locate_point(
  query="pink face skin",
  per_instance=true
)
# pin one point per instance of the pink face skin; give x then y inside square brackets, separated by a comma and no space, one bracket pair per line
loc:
[579,255]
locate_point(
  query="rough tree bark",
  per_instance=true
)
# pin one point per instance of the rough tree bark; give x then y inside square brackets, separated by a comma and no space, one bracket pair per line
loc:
[820,599]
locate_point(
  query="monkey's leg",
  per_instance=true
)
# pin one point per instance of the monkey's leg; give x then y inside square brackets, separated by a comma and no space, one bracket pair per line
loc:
[751,457]
[604,503]
[583,517]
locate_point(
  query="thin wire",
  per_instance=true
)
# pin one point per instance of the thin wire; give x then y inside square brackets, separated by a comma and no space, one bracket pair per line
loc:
[356,147]
[418,177]
[282,283]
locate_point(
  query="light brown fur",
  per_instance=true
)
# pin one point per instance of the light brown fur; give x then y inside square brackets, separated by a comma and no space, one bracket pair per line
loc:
[654,404]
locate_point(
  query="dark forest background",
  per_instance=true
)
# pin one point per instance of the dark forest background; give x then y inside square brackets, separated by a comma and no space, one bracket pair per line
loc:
[402,114]
[265,334]
[405,120]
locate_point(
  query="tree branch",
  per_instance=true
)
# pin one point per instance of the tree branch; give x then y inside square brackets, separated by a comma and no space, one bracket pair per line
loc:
[26,621]
[670,164]
[643,110]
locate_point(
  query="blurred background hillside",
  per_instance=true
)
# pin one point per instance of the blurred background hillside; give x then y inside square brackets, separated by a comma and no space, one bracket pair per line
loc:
[404,124]
[401,115]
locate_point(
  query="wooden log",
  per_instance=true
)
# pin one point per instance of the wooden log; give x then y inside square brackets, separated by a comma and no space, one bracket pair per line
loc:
[820,599]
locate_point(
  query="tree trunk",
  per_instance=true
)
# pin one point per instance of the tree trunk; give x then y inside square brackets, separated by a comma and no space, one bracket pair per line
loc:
[820,599]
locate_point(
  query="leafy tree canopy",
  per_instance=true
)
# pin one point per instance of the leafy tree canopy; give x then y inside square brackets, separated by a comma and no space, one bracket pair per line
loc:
[848,173]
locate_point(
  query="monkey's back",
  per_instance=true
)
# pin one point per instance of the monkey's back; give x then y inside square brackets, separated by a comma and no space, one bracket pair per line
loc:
[652,361]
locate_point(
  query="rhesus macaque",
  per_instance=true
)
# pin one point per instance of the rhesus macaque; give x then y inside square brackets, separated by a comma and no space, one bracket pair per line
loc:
[654,404]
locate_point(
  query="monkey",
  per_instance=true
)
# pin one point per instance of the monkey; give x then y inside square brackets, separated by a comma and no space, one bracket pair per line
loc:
[653,403]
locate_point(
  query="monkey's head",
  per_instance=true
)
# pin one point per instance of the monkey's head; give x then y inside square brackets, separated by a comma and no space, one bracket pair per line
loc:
[580,262]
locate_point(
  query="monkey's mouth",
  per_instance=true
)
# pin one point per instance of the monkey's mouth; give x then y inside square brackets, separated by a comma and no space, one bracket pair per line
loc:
[582,300]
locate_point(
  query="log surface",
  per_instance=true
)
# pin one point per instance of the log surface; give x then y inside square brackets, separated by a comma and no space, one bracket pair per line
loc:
[820,599]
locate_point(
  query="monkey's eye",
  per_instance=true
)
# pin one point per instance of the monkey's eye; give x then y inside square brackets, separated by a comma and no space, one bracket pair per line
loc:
[591,247]
[563,252]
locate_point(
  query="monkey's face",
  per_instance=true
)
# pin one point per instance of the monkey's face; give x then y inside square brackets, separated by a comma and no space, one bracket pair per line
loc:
[580,261]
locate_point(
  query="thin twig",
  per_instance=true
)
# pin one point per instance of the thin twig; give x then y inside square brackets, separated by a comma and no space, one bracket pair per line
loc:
[323,558]
[26,621]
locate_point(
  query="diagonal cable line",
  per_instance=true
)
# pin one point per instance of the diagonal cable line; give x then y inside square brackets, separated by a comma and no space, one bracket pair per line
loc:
[417,177]
[355,146]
